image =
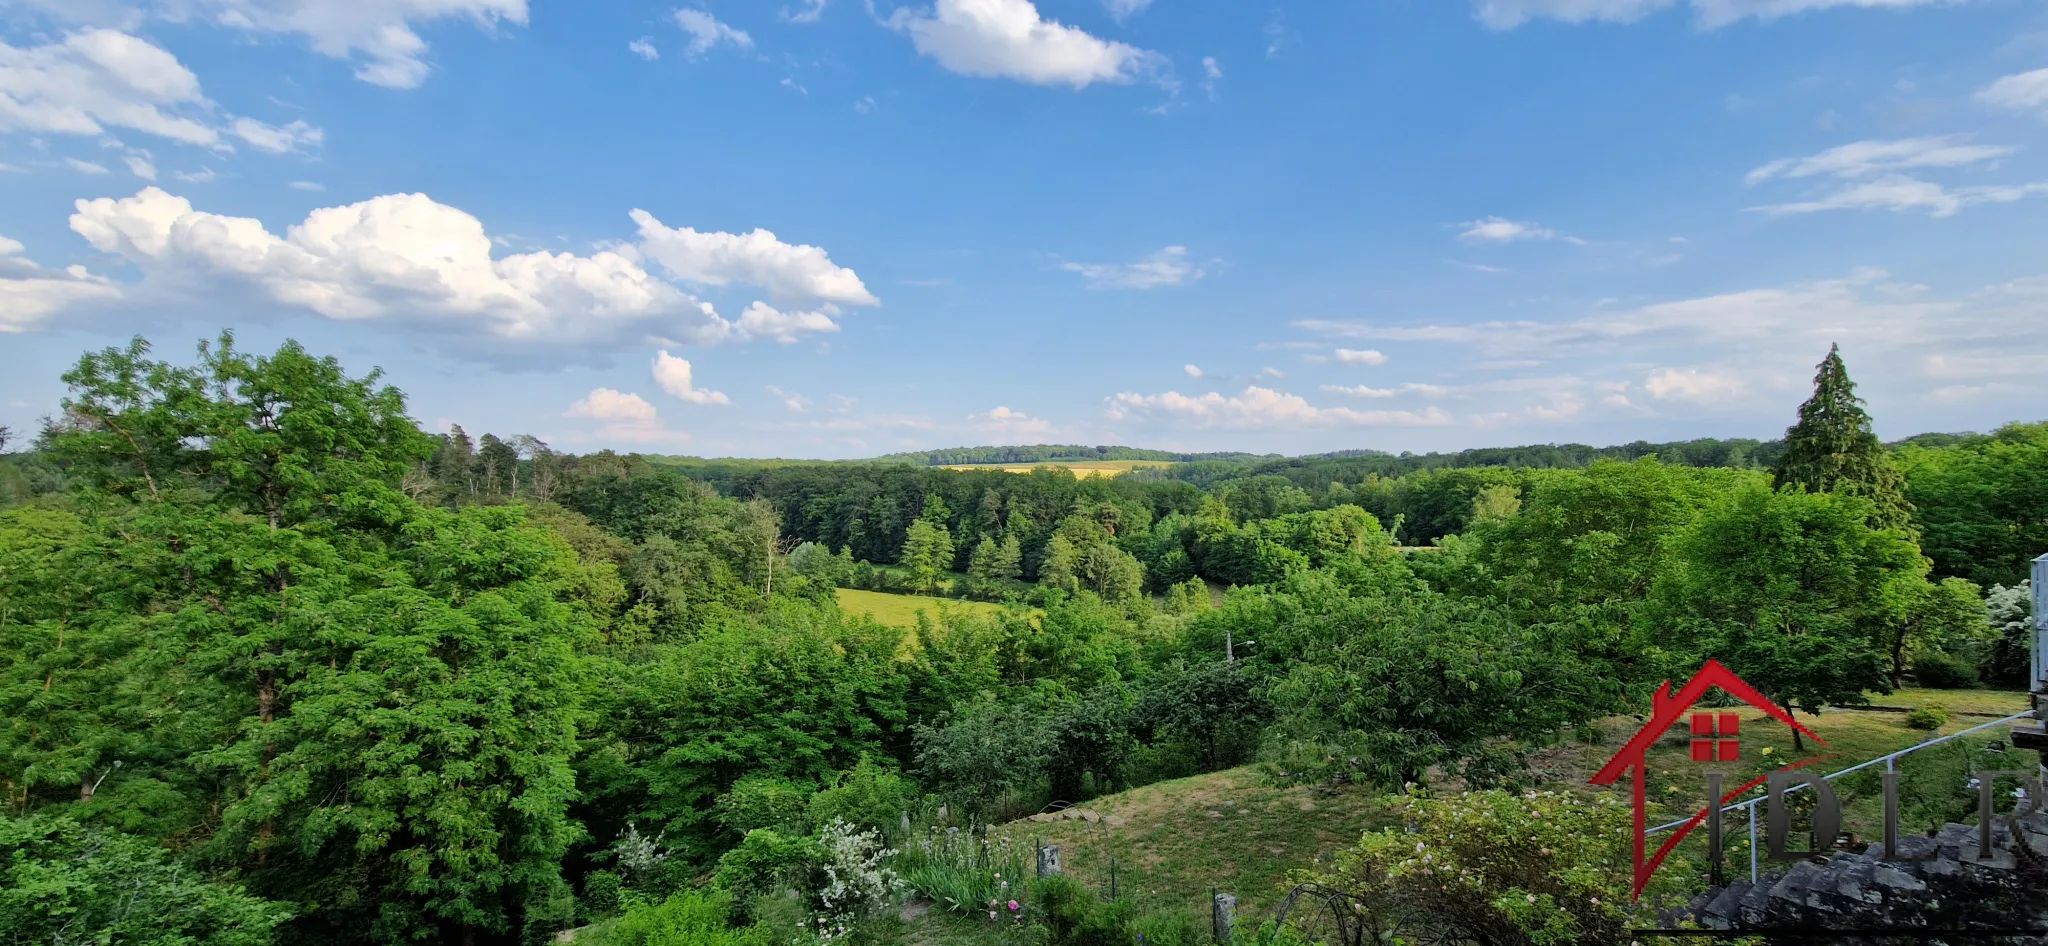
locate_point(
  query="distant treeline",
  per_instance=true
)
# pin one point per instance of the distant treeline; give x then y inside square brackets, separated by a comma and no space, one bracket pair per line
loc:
[1040,453]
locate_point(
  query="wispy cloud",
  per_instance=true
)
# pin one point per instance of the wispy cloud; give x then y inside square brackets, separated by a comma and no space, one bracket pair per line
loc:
[1168,267]
[1873,175]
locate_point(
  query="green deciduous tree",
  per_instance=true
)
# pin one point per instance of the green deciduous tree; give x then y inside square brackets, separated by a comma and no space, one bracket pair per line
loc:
[64,882]
[1794,591]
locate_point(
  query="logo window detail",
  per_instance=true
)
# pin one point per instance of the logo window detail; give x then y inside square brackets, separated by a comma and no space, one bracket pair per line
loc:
[1715,737]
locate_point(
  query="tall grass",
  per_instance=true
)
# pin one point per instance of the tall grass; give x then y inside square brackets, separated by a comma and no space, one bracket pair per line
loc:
[963,873]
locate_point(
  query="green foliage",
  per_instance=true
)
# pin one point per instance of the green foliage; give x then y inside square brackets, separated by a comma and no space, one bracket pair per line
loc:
[1792,590]
[1073,915]
[1979,503]
[690,918]
[1188,597]
[765,862]
[928,554]
[1499,867]
[1832,449]
[801,695]
[1597,536]
[1931,716]
[869,797]
[984,753]
[1380,686]
[601,892]
[64,882]
[762,801]
[965,875]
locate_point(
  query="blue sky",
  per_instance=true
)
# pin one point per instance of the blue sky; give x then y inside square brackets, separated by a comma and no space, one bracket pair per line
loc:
[840,229]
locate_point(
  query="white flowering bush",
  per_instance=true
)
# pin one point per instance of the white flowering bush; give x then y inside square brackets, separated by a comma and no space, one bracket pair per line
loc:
[853,883]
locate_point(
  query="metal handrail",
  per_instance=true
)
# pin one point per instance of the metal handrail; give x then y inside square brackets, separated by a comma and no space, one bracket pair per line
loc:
[1890,764]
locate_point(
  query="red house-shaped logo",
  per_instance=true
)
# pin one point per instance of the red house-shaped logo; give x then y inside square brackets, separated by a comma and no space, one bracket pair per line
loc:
[1715,738]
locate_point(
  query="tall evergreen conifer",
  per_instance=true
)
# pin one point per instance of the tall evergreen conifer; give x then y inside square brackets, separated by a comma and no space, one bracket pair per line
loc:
[1833,450]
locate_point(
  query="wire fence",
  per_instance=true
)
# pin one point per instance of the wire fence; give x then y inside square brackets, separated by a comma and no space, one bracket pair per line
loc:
[1889,762]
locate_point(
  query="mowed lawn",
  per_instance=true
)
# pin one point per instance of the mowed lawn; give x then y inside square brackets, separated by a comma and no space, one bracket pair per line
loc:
[1232,830]
[902,610]
[1852,736]
[1081,468]
[1238,832]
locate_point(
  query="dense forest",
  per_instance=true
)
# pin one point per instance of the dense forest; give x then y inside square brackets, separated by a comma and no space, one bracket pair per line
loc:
[276,666]
[1038,453]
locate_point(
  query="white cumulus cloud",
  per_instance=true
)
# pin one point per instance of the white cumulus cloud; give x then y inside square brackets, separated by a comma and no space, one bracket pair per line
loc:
[1009,39]
[1692,384]
[624,417]
[761,320]
[1168,267]
[408,261]
[706,31]
[102,78]
[644,48]
[757,258]
[400,258]
[97,80]
[672,374]
[30,294]
[1352,356]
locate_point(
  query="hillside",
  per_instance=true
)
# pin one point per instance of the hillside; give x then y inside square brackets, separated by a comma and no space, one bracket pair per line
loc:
[1237,832]
[1038,453]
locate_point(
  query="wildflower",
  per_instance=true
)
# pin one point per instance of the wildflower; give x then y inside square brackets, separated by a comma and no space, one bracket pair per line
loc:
[1014,906]
[1767,750]
[1596,901]
[1532,897]
[991,914]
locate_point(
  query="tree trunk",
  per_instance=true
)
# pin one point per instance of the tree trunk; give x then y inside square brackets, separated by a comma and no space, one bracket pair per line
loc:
[1798,744]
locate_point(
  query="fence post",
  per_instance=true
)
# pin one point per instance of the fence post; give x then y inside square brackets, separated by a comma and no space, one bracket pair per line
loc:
[1112,877]
[1048,860]
[1223,916]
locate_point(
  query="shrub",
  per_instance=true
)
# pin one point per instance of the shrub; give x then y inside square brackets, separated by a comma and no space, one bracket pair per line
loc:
[1943,671]
[868,796]
[1931,716]
[763,802]
[765,861]
[601,892]
[1171,928]
[1074,916]
[1499,867]
[690,918]
[63,882]
[849,879]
